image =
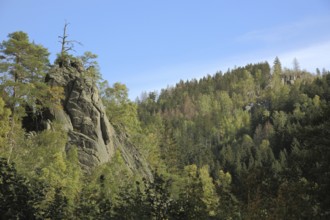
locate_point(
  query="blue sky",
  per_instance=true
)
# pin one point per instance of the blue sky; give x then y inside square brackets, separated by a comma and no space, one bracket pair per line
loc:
[149,45]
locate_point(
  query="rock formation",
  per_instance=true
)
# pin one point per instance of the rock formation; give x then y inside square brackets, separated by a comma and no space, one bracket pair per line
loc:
[83,117]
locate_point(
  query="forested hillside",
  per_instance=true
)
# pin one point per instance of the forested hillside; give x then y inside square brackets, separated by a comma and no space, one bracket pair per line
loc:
[250,143]
[260,131]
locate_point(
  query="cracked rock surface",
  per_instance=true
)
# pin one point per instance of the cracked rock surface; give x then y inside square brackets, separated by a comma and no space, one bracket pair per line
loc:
[83,117]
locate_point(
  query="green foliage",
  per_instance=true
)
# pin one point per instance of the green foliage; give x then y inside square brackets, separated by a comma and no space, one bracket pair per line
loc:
[64,59]
[23,60]
[4,125]
[42,157]
[58,207]
[19,198]
[255,125]
[209,197]
[190,200]
[24,66]
[157,198]
[250,143]
[122,113]
[91,65]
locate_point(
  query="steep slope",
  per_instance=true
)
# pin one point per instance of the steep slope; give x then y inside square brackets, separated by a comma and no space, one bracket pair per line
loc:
[83,117]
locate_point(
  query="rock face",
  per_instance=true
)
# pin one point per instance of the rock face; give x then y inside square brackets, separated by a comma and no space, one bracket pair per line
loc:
[83,117]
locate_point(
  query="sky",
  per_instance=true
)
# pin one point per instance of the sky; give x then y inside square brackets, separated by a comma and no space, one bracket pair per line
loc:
[149,45]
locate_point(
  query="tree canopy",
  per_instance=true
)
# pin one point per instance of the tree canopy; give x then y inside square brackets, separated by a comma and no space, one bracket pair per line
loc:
[250,143]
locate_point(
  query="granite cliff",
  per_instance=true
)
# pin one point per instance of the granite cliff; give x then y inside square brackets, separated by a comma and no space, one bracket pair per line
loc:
[83,116]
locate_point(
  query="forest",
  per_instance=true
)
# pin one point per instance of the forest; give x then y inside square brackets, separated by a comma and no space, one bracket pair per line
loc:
[249,143]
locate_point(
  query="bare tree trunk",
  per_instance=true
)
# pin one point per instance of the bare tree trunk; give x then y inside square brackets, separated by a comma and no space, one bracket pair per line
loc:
[64,41]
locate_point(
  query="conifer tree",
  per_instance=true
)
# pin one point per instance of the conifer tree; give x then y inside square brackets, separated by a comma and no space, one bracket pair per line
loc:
[23,68]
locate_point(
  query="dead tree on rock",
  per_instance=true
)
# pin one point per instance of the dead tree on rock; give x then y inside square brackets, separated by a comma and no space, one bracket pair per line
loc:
[66,46]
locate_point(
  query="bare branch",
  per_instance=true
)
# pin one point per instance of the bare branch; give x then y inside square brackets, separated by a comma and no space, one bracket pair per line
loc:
[63,37]
[67,45]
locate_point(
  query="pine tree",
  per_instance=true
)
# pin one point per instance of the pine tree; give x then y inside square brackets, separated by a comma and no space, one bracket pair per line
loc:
[24,67]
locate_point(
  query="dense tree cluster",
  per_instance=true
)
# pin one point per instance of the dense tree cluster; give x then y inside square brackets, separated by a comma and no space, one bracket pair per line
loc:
[266,127]
[249,143]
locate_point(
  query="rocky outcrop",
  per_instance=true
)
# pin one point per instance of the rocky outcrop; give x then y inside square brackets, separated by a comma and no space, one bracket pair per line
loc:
[83,117]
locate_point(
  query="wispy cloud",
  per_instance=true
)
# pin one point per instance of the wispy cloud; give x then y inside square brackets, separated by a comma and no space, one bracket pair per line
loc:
[295,30]
[306,40]
[294,40]
[310,57]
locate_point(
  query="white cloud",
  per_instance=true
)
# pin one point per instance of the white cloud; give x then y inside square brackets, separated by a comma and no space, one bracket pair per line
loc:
[301,40]
[310,57]
[294,30]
